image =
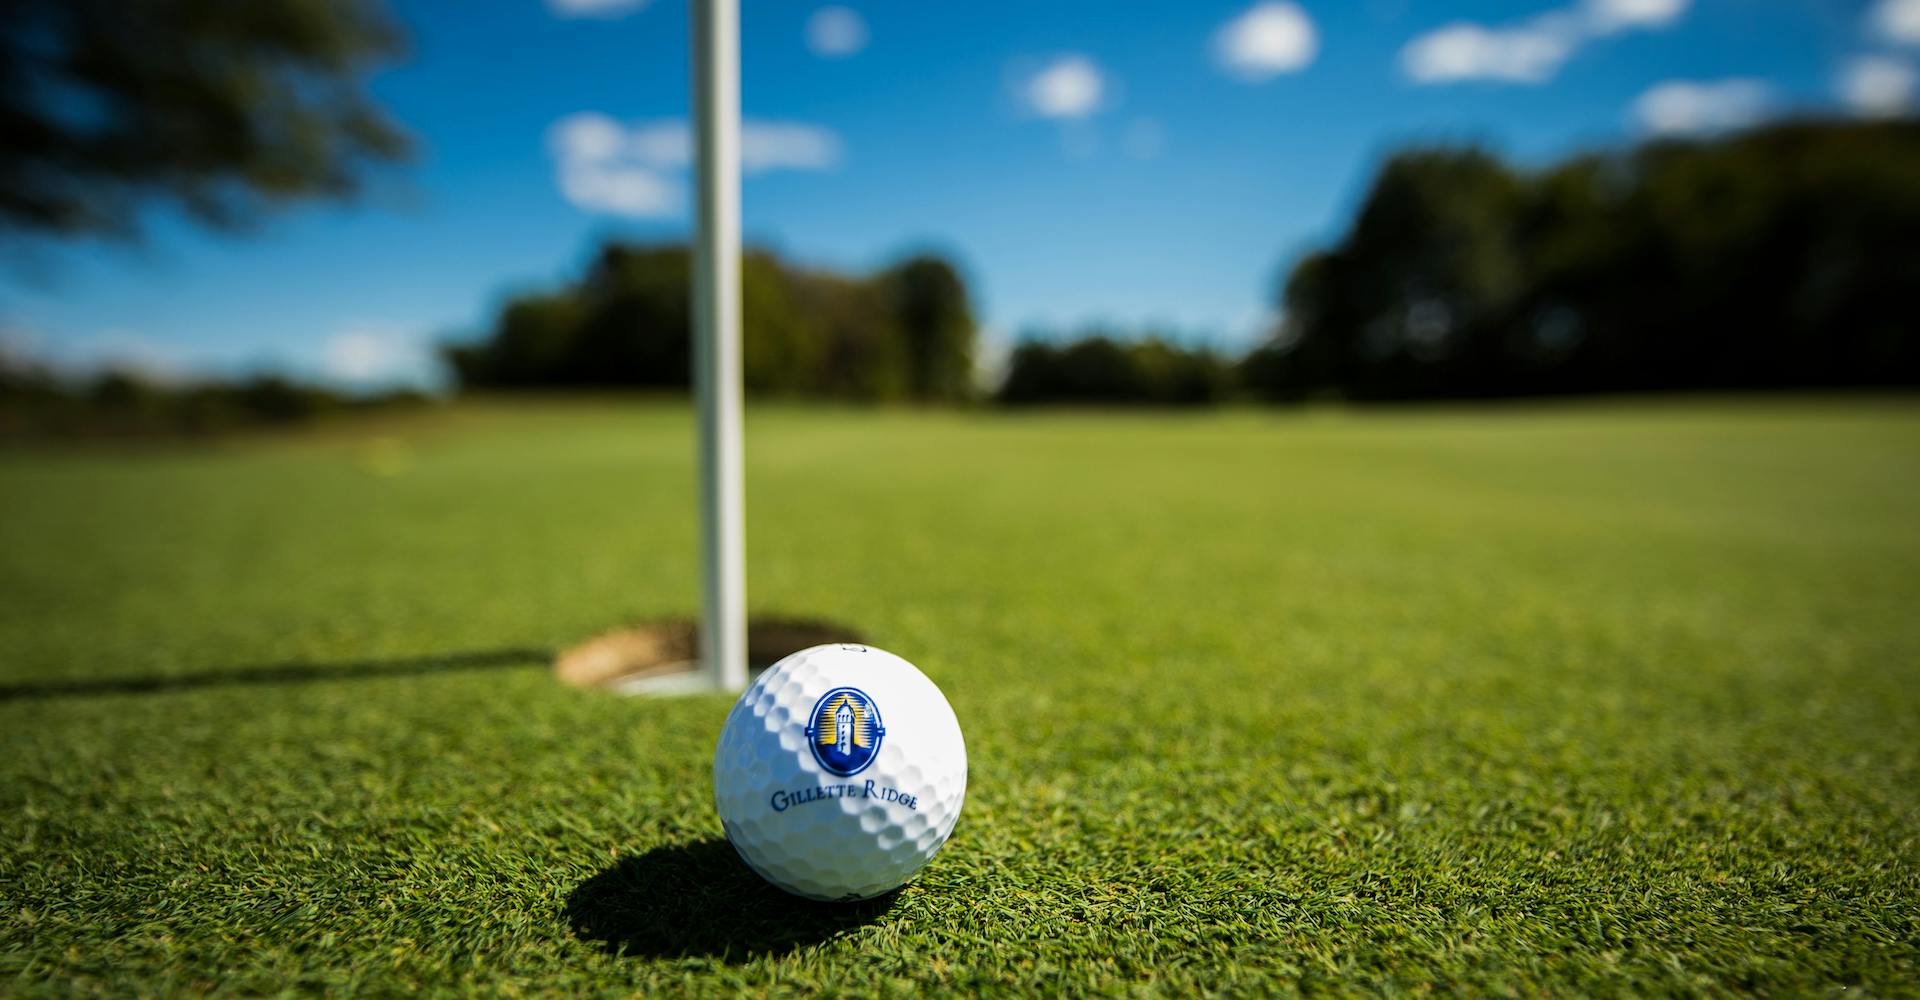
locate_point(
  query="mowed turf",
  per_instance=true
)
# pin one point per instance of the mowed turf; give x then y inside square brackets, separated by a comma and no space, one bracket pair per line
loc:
[1615,698]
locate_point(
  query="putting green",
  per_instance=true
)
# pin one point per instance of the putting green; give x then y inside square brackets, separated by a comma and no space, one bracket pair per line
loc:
[1572,699]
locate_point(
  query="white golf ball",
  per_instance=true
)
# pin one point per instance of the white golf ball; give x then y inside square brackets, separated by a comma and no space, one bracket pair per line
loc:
[840,772]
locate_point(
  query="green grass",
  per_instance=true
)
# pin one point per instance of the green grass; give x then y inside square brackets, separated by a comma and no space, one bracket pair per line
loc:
[1597,699]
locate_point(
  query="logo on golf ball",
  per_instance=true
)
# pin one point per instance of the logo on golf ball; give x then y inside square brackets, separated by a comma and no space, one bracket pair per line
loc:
[845,731]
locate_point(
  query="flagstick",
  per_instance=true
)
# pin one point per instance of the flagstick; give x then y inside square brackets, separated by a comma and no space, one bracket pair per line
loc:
[716,327]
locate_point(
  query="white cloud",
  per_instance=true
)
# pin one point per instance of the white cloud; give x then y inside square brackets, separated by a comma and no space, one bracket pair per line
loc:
[1270,38]
[993,353]
[768,146]
[836,32]
[1683,107]
[605,9]
[1529,51]
[604,166]
[1526,53]
[619,189]
[1880,86]
[1070,86]
[665,143]
[1896,21]
[370,355]
[364,355]
[1609,16]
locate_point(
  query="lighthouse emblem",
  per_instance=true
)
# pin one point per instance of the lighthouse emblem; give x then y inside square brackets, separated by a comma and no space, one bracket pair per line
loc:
[844,731]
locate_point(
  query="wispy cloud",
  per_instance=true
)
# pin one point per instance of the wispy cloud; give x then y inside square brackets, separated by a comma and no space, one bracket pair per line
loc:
[836,32]
[1068,86]
[768,146]
[1885,84]
[1528,51]
[359,355]
[1896,21]
[1605,17]
[1268,39]
[1880,86]
[371,355]
[604,9]
[1686,107]
[604,166]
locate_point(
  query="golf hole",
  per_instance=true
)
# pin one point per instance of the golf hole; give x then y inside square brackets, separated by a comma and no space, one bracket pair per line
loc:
[623,658]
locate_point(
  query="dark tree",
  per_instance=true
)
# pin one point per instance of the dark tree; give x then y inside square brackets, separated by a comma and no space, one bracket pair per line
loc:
[636,314]
[1101,369]
[929,303]
[530,344]
[1777,258]
[1300,359]
[784,346]
[223,108]
[628,322]
[866,356]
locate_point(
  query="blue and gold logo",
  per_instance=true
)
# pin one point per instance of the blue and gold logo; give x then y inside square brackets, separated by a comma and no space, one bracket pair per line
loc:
[845,731]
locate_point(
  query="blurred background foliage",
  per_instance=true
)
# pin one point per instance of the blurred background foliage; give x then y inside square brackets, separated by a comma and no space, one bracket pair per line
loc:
[221,110]
[1783,257]
[905,332]
[1107,368]
[37,404]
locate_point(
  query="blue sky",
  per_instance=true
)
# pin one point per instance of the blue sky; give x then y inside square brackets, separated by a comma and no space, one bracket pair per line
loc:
[1085,161]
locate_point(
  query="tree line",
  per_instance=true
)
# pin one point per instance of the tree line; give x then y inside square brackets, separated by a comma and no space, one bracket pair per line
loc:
[1785,256]
[1788,256]
[1778,258]
[37,402]
[904,332]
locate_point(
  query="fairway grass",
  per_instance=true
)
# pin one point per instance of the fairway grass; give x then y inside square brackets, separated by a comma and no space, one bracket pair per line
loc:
[1586,699]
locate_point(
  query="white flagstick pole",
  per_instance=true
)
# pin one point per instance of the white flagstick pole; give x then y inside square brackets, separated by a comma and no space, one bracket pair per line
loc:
[716,324]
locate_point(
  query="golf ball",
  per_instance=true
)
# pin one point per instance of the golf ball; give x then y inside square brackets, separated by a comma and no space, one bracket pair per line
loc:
[840,772]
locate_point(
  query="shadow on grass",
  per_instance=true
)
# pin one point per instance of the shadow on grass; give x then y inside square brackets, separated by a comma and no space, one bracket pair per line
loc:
[701,899]
[294,672]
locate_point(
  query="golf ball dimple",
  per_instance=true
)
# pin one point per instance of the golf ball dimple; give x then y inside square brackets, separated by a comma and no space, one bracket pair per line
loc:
[840,772]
